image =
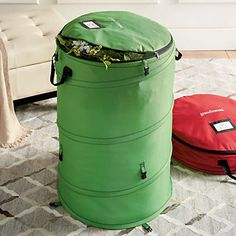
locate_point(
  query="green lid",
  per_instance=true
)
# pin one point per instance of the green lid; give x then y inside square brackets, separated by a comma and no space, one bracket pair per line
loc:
[118,30]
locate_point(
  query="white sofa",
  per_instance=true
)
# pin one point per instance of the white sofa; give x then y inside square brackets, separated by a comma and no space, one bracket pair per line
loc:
[29,38]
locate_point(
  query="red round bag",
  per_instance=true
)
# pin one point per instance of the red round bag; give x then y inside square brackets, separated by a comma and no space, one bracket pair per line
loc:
[204,133]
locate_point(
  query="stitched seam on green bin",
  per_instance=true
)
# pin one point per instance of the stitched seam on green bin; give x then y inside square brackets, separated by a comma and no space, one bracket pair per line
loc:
[105,141]
[115,140]
[117,193]
[144,219]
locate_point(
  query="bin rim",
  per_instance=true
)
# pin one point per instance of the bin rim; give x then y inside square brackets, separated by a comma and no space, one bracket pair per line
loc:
[146,55]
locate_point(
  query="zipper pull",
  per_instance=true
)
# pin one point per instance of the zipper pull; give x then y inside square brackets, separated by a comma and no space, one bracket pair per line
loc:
[146,68]
[157,55]
[143,171]
[147,227]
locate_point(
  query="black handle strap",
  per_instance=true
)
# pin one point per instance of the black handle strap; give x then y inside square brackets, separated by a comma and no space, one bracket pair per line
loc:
[60,155]
[178,55]
[60,152]
[67,72]
[225,165]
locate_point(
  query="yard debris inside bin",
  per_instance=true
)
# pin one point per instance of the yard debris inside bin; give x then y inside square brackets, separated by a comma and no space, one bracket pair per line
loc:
[85,50]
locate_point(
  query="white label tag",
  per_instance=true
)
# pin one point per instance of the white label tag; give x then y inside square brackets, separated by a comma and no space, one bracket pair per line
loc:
[222,126]
[91,24]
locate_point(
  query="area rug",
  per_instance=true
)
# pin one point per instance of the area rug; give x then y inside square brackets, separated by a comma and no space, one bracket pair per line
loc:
[202,204]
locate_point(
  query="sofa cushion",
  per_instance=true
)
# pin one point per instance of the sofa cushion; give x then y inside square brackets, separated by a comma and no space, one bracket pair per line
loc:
[30,36]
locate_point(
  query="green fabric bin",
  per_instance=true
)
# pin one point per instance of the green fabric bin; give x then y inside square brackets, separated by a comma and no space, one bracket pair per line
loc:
[115,123]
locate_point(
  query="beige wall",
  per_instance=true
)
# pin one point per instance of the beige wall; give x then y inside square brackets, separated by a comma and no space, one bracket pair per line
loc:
[209,25]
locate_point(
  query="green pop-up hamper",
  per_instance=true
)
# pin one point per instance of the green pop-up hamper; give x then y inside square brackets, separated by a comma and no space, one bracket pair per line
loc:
[115,123]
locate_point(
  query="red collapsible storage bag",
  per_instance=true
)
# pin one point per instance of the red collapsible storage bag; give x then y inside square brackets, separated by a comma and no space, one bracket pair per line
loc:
[204,133]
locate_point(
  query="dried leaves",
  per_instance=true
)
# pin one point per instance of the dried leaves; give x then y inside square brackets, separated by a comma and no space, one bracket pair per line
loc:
[85,50]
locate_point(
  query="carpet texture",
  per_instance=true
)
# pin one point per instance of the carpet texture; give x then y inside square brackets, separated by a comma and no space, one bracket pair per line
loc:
[202,204]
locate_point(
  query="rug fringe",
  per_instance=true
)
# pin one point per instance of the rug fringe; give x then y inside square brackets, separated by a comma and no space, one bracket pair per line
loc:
[19,140]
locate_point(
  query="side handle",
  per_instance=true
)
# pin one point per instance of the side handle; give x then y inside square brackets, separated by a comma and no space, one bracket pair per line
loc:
[178,55]
[225,165]
[67,72]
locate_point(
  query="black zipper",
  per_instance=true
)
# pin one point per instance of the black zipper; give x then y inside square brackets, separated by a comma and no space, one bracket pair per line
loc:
[219,152]
[149,55]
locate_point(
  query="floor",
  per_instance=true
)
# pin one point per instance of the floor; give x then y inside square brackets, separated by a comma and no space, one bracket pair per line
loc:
[201,205]
[210,54]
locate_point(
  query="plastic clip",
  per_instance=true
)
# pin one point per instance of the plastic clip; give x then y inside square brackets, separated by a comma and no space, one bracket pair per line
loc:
[146,68]
[147,227]
[143,171]
[146,71]
[55,204]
